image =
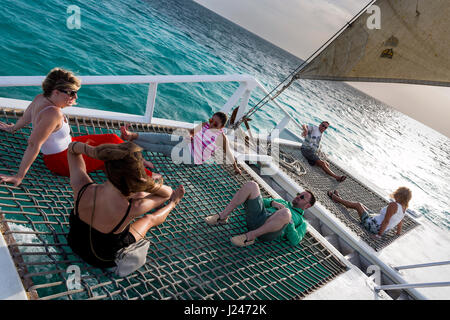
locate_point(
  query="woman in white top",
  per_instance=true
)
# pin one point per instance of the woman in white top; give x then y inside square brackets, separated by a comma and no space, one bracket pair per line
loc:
[389,217]
[51,130]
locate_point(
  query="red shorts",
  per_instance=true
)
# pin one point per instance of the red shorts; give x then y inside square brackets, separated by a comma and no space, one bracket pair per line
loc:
[57,162]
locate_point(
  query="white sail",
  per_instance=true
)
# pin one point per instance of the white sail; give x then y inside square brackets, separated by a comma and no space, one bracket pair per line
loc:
[412,45]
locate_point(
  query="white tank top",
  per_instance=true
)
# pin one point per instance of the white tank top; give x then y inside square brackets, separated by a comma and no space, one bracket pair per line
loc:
[58,140]
[395,219]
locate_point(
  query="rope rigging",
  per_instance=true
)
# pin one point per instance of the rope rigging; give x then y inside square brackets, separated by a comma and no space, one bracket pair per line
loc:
[295,75]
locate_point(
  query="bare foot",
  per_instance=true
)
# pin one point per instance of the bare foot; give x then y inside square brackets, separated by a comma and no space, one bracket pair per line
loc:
[127,135]
[177,194]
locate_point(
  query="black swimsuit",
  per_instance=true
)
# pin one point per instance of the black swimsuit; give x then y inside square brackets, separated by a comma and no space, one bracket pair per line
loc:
[105,245]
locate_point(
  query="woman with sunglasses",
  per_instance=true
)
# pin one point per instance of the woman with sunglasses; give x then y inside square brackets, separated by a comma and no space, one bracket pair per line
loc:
[51,130]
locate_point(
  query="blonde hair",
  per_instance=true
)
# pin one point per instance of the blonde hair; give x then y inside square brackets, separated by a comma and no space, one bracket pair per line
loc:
[125,168]
[402,195]
[59,78]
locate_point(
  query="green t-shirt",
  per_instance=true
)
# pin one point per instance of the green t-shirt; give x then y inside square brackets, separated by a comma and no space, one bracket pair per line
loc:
[296,229]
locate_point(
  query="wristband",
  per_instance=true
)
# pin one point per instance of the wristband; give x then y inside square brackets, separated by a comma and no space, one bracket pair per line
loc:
[72,146]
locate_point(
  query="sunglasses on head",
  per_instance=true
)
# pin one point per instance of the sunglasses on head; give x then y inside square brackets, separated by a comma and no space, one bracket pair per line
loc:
[71,93]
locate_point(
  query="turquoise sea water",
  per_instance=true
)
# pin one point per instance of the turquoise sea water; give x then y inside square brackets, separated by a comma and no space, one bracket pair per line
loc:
[179,37]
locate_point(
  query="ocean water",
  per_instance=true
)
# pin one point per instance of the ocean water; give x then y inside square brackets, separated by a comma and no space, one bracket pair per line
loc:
[179,37]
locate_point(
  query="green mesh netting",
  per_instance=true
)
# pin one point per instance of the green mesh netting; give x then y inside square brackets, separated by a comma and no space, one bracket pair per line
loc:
[187,259]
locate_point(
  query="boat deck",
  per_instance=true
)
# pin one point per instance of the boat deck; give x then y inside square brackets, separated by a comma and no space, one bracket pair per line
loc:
[187,259]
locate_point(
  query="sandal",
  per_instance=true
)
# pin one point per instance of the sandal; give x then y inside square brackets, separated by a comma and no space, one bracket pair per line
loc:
[215,220]
[242,240]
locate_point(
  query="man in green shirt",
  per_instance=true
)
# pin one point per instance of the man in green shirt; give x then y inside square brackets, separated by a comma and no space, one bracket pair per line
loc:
[267,219]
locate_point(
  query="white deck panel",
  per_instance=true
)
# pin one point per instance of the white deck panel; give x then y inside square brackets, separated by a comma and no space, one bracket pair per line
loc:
[424,244]
[11,285]
[351,285]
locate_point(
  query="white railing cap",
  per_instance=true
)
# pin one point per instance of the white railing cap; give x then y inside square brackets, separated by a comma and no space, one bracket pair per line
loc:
[21,81]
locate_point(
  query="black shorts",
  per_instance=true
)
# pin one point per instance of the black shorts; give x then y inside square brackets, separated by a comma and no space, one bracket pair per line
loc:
[310,155]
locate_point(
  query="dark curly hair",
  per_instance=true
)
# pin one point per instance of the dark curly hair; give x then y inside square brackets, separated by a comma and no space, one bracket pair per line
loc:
[222,116]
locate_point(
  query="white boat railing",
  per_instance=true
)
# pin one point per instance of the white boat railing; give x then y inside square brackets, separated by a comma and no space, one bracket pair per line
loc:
[423,265]
[411,286]
[414,285]
[246,86]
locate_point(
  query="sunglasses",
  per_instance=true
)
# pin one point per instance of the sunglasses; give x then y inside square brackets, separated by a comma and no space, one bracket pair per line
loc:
[302,196]
[323,126]
[71,93]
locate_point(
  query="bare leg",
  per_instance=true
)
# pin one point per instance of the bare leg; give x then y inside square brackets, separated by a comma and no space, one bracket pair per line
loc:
[140,228]
[326,168]
[249,191]
[349,204]
[277,221]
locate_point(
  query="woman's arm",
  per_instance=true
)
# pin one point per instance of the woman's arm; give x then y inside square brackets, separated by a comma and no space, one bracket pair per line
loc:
[305,130]
[77,167]
[43,128]
[228,154]
[399,227]
[391,210]
[152,200]
[24,120]
[197,128]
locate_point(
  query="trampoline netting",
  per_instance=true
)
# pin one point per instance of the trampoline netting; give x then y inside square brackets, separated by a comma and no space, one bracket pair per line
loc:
[187,259]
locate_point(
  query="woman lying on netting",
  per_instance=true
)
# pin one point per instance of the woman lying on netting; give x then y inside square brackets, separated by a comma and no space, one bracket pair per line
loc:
[389,217]
[196,149]
[51,131]
[127,194]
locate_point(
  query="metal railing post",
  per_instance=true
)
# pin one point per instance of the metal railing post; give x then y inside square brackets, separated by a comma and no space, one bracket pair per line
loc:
[234,98]
[249,86]
[283,123]
[151,98]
